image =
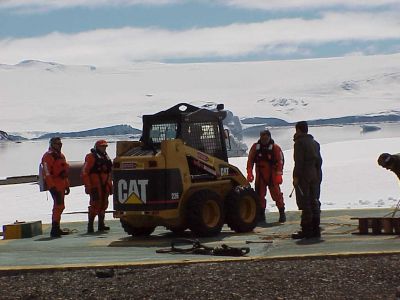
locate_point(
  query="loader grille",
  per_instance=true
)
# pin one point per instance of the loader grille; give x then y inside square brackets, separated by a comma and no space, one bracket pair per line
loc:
[204,136]
[162,132]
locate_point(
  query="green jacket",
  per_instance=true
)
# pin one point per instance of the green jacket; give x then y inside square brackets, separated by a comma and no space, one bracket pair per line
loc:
[307,159]
[395,166]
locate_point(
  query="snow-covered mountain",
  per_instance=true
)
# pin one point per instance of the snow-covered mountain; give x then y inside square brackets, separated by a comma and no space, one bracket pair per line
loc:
[45,66]
[4,136]
[40,96]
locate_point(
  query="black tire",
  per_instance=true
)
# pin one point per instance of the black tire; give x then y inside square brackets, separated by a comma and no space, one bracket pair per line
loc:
[242,209]
[137,231]
[205,213]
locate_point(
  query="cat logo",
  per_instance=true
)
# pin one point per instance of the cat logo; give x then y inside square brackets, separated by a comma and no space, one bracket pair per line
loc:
[224,171]
[132,191]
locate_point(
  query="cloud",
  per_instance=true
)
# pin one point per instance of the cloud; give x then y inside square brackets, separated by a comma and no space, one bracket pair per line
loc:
[306,4]
[40,5]
[43,5]
[124,45]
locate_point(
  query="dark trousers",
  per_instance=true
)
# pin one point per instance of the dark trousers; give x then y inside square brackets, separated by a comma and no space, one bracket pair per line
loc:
[307,195]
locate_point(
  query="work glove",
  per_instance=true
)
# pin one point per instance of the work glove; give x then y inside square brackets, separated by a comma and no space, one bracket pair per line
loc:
[278,179]
[67,190]
[250,176]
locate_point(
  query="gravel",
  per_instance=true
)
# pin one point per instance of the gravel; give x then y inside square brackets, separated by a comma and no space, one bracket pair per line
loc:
[356,277]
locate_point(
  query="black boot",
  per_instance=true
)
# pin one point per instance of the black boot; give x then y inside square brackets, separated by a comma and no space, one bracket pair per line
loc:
[101,225]
[261,216]
[317,232]
[303,235]
[298,235]
[90,228]
[282,215]
[55,230]
[63,232]
[316,229]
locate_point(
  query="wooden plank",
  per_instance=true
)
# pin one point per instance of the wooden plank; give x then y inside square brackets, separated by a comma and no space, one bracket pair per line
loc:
[363,225]
[396,225]
[376,225]
[389,225]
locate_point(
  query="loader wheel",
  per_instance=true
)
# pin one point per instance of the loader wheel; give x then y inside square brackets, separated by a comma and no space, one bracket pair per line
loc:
[137,231]
[205,213]
[242,207]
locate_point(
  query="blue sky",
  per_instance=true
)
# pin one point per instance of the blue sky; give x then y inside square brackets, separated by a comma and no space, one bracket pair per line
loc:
[115,32]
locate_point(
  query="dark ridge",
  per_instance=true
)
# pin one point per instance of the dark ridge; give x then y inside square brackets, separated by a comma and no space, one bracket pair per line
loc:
[266,121]
[331,121]
[112,130]
[4,136]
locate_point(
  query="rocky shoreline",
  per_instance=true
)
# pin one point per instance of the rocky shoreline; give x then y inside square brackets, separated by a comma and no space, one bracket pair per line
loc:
[354,277]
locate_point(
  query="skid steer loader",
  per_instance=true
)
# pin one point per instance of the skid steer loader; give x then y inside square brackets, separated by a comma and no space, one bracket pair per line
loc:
[178,176]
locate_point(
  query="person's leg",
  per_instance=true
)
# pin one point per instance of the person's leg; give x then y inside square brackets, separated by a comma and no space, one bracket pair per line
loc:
[102,213]
[261,190]
[316,210]
[307,220]
[304,204]
[58,208]
[93,209]
[277,196]
[91,216]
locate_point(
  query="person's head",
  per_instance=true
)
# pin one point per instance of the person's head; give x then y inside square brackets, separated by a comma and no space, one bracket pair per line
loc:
[385,160]
[101,146]
[55,143]
[265,136]
[302,127]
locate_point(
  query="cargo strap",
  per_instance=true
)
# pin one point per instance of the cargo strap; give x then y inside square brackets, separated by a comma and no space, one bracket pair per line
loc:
[396,209]
[198,248]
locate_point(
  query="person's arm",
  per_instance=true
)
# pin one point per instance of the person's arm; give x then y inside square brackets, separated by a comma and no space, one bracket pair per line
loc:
[48,162]
[278,165]
[66,171]
[250,162]
[88,165]
[298,156]
[319,161]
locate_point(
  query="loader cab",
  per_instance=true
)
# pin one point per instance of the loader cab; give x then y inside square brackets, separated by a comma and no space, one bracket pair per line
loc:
[198,128]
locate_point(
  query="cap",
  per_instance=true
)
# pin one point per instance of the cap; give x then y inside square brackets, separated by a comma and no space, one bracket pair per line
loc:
[384,159]
[266,131]
[302,126]
[101,143]
[54,140]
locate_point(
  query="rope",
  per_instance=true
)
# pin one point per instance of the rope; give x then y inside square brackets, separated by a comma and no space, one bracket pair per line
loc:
[198,248]
[67,231]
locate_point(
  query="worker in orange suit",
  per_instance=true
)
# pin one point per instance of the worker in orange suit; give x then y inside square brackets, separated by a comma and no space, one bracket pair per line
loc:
[268,158]
[96,175]
[55,175]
